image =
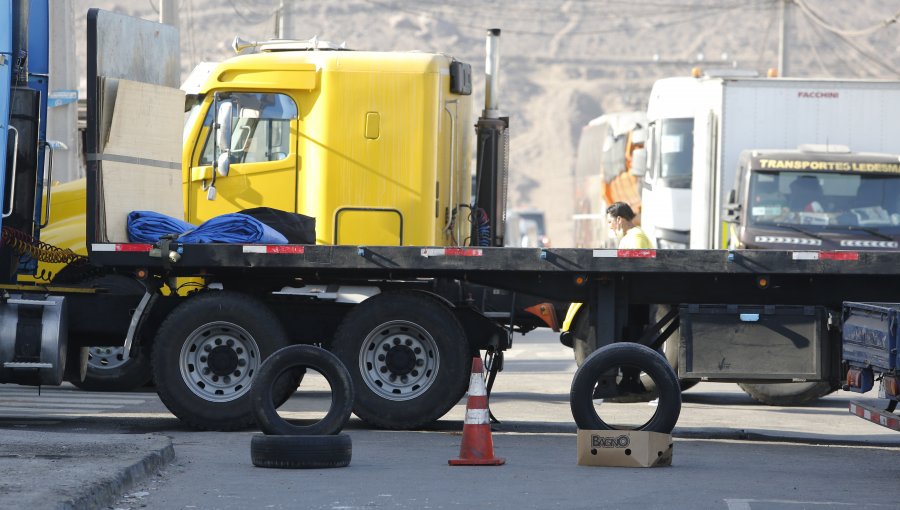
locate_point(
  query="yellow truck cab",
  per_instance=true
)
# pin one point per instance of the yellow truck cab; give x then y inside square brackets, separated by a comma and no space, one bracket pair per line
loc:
[374,145]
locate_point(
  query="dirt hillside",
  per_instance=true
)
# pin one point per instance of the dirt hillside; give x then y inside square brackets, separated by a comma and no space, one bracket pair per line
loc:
[562,62]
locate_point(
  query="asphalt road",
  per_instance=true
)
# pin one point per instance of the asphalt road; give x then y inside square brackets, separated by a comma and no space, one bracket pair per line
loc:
[729,453]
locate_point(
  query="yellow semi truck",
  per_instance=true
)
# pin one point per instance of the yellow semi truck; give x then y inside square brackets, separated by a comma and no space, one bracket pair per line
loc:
[376,146]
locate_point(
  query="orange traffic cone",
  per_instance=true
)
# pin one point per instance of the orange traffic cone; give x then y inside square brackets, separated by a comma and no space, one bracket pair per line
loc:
[477,448]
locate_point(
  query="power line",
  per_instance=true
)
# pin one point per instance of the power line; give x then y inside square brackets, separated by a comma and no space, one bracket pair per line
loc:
[814,19]
[765,43]
[246,17]
[814,47]
[817,18]
[711,10]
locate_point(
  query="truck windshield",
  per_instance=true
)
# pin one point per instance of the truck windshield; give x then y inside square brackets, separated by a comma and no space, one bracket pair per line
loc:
[676,148]
[824,199]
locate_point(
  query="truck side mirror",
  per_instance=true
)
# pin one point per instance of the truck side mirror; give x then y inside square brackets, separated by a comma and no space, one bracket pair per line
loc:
[639,136]
[639,162]
[223,163]
[732,208]
[223,136]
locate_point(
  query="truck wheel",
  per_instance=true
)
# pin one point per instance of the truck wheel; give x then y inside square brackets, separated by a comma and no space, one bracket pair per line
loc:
[300,452]
[107,371]
[787,394]
[207,353]
[603,374]
[408,357]
[106,368]
[291,358]
[583,347]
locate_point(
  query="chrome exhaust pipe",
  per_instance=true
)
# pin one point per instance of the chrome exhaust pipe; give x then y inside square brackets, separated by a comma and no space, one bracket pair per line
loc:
[492,75]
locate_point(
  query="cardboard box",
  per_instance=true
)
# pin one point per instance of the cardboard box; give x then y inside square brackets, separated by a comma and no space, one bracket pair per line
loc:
[624,448]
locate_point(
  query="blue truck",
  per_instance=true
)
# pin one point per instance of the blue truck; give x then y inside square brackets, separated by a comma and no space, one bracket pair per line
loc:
[871,332]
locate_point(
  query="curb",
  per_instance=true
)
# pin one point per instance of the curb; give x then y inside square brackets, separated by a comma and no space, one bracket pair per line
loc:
[106,491]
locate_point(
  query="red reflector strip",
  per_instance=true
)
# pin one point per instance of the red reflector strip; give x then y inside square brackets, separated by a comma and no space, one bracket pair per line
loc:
[825,255]
[451,252]
[289,249]
[839,255]
[883,418]
[134,247]
[625,254]
[637,254]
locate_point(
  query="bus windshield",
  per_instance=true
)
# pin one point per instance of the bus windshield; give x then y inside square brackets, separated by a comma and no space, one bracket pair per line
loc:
[824,199]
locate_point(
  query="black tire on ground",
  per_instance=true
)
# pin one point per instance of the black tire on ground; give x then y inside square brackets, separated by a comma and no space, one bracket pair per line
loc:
[583,344]
[300,452]
[106,370]
[787,394]
[206,355]
[282,362]
[408,357]
[607,358]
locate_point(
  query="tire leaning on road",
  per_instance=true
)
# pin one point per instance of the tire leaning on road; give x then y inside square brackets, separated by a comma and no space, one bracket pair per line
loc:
[598,366]
[282,363]
[301,452]
[582,331]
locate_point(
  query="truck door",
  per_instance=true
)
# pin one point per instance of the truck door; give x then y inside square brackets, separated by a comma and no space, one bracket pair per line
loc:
[262,157]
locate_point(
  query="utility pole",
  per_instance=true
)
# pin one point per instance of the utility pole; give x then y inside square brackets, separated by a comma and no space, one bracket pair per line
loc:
[786,21]
[62,111]
[168,12]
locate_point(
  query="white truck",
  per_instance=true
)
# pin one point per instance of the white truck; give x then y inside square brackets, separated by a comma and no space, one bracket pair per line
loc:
[699,126]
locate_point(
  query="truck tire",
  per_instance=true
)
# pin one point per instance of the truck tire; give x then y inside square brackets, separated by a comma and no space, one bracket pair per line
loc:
[207,353]
[408,357]
[583,347]
[300,452]
[787,394]
[607,358]
[106,368]
[291,358]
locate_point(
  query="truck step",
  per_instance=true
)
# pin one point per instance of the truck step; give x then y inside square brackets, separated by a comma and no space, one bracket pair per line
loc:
[881,417]
[24,364]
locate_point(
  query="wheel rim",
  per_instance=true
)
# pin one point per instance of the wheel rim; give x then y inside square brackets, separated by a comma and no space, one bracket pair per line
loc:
[106,358]
[218,360]
[399,360]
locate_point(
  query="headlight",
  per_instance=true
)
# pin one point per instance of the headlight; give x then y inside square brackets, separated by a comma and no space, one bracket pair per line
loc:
[665,244]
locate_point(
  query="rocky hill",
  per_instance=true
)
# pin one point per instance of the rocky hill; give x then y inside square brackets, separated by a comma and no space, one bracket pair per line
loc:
[563,62]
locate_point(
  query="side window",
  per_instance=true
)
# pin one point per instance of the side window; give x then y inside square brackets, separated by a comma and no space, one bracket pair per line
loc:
[261,124]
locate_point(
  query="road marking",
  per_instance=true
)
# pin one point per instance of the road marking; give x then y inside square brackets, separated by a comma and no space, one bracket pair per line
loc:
[748,504]
[23,401]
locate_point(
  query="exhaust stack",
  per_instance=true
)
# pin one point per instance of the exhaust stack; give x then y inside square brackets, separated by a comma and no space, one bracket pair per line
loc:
[492,74]
[492,163]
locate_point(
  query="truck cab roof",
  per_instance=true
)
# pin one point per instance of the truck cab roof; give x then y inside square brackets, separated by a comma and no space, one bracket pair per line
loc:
[298,68]
[820,161]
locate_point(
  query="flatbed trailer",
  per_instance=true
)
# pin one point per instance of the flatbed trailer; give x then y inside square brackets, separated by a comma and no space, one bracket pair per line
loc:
[721,299]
